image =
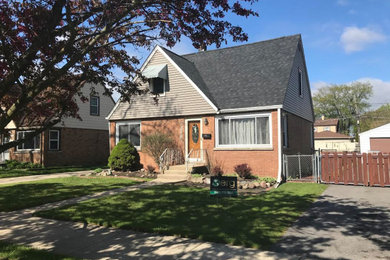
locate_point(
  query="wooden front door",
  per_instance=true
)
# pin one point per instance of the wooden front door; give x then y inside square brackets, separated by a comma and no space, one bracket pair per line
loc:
[194,139]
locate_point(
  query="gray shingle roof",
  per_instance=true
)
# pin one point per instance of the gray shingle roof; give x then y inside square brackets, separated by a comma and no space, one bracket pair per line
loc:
[249,75]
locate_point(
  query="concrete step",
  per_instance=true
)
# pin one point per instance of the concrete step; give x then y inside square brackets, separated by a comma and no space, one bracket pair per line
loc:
[178,167]
[172,175]
[174,171]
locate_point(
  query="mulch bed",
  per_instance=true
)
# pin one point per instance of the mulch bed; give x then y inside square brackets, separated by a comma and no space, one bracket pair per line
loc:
[138,174]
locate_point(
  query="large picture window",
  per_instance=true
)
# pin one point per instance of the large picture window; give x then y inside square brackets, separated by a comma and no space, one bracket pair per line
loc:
[244,131]
[130,131]
[31,144]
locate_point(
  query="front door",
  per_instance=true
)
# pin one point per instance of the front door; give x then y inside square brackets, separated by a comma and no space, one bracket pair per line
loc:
[194,139]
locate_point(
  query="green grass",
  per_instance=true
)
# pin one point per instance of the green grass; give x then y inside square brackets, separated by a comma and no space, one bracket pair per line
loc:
[14,251]
[4,173]
[252,221]
[29,194]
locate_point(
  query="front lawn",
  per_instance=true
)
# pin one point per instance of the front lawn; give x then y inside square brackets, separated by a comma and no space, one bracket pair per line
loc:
[8,173]
[252,221]
[29,194]
[18,252]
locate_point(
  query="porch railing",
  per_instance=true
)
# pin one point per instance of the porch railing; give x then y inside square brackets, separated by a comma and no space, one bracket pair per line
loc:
[197,156]
[170,156]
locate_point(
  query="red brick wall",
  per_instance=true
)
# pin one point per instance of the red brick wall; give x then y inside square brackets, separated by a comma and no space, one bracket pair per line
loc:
[79,147]
[299,137]
[24,155]
[262,162]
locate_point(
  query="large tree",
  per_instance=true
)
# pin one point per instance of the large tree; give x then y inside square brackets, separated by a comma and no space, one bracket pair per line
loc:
[345,102]
[376,118]
[50,48]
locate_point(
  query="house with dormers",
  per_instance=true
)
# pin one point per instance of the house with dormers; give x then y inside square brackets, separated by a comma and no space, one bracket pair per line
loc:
[244,104]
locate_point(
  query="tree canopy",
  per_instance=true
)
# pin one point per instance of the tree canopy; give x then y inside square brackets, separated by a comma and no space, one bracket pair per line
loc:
[50,48]
[345,102]
[376,118]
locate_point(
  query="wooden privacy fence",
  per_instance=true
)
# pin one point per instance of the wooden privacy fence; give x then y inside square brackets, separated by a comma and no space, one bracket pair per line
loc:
[357,169]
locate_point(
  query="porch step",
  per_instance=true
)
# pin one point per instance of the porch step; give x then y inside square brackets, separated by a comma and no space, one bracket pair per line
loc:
[174,174]
[178,167]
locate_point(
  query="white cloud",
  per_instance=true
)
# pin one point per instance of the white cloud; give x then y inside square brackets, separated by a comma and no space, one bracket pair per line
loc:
[381,91]
[317,85]
[356,39]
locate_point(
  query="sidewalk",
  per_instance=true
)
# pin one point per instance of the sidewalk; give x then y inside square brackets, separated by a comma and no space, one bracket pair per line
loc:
[41,177]
[96,242]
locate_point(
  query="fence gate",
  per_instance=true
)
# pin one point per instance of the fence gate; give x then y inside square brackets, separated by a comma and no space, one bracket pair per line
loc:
[301,167]
[356,169]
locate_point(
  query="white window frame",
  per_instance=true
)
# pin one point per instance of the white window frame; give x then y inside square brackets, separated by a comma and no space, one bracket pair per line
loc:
[28,131]
[57,139]
[244,146]
[164,88]
[300,83]
[326,128]
[128,123]
[98,105]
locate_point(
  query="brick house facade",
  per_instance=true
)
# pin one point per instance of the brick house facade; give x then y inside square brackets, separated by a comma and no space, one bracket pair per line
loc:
[246,104]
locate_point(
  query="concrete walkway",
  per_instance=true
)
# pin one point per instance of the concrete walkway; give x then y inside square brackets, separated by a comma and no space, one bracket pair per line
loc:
[347,222]
[95,242]
[41,177]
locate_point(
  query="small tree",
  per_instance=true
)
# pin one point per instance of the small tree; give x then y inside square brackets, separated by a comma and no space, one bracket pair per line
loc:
[243,170]
[124,157]
[155,144]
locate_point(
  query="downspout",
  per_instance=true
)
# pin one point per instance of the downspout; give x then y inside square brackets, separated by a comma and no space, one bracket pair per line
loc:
[279,180]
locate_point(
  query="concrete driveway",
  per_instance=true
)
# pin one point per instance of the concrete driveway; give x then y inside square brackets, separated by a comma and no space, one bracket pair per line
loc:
[347,222]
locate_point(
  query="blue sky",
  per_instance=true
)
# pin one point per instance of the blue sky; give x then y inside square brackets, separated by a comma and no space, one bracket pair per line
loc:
[344,40]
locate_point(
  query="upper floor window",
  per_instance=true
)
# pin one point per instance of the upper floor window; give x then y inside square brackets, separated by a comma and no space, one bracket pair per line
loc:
[300,82]
[94,106]
[30,144]
[157,85]
[326,128]
[244,131]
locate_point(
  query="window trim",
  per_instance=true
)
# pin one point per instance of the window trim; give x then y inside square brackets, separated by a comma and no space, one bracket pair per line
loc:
[28,131]
[164,88]
[244,146]
[58,140]
[300,83]
[133,122]
[98,105]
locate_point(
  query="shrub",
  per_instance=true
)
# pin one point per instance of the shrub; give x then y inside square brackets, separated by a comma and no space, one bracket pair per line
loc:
[155,144]
[98,170]
[124,157]
[270,180]
[217,171]
[150,169]
[243,170]
[13,164]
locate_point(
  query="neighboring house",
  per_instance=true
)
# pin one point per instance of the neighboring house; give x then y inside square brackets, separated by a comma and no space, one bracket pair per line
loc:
[244,104]
[327,138]
[326,125]
[71,142]
[376,140]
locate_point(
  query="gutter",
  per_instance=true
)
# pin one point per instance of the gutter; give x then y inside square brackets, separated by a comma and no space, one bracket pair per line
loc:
[279,180]
[248,109]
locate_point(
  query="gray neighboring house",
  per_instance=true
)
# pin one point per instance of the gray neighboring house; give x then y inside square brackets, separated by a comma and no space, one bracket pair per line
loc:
[243,104]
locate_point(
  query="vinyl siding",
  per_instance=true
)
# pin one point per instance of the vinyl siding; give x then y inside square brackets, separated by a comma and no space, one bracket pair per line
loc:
[88,121]
[293,103]
[180,98]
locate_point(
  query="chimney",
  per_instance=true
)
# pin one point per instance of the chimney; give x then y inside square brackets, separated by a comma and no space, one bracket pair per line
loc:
[322,117]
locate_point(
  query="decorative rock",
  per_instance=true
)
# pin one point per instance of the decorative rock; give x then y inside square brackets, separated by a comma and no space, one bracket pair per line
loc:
[142,170]
[109,172]
[207,181]
[245,186]
[251,185]
[256,184]
[268,184]
[240,186]
[263,184]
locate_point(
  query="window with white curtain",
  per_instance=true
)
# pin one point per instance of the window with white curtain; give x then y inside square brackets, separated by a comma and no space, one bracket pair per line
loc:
[130,131]
[244,131]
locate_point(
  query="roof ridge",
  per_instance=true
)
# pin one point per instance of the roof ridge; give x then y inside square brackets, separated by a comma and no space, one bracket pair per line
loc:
[165,49]
[241,45]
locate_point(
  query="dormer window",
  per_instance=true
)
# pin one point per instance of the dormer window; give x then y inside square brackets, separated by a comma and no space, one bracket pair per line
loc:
[157,86]
[157,76]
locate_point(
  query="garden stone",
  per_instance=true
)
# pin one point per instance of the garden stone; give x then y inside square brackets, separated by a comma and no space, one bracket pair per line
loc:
[263,184]
[251,186]
[256,184]
[245,186]
[268,184]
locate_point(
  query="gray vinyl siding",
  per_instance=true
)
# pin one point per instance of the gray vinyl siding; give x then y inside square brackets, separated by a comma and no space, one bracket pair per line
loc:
[181,98]
[88,121]
[293,102]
